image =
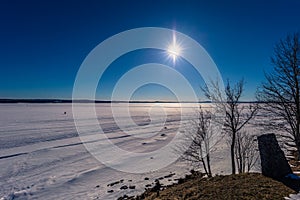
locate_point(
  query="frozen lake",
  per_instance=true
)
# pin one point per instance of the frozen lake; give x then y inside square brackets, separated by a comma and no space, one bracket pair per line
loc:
[42,156]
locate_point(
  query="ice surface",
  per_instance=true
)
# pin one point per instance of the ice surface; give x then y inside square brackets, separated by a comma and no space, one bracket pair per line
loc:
[293,197]
[42,157]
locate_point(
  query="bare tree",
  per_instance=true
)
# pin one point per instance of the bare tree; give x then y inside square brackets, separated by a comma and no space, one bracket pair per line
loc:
[245,151]
[280,92]
[199,138]
[237,115]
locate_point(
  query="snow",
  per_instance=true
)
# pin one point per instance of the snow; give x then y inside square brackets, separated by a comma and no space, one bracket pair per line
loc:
[42,156]
[293,197]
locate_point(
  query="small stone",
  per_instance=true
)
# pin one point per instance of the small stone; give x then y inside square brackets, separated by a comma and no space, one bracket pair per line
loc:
[114,183]
[132,187]
[123,197]
[124,187]
[169,175]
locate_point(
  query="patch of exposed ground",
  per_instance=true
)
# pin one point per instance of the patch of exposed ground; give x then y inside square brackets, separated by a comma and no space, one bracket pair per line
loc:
[240,187]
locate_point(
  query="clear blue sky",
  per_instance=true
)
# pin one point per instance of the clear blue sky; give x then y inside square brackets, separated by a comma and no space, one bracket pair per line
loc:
[43,43]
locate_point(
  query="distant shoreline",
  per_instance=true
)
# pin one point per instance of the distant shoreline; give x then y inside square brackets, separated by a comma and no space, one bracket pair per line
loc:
[85,101]
[97,101]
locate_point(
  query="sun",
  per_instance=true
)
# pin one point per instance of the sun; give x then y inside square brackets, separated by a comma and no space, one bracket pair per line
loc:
[174,49]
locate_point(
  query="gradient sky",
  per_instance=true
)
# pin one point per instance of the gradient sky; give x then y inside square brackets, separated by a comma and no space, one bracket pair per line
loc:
[43,43]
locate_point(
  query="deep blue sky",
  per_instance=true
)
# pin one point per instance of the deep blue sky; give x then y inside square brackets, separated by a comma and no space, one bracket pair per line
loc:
[43,43]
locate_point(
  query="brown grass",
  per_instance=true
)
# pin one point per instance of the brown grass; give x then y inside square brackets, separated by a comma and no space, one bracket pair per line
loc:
[240,187]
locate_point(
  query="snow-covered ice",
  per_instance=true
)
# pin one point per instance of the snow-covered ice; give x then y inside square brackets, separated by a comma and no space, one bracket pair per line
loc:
[42,157]
[293,197]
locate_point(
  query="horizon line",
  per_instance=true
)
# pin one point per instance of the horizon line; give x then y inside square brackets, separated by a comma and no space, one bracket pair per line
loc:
[42,100]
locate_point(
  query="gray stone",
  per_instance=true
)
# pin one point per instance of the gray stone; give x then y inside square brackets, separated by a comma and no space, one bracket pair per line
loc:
[273,161]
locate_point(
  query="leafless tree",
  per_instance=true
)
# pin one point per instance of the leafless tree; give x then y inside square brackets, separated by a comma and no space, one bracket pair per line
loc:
[199,138]
[237,115]
[280,92]
[245,151]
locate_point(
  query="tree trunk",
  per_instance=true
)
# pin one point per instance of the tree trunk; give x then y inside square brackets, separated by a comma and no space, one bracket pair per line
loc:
[240,168]
[204,166]
[232,153]
[208,165]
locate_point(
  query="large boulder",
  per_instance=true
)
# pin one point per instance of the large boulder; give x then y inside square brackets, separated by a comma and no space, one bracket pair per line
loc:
[273,161]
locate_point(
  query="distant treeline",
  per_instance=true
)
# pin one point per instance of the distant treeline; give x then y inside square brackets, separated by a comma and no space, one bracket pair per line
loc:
[49,101]
[96,101]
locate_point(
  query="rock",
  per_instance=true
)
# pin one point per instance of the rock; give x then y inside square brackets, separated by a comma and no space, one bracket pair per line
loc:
[97,186]
[170,175]
[126,197]
[156,188]
[114,183]
[123,197]
[124,187]
[146,178]
[273,161]
[180,180]
[132,187]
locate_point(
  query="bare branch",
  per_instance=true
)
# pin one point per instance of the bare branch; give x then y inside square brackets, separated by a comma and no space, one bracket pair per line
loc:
[280,93]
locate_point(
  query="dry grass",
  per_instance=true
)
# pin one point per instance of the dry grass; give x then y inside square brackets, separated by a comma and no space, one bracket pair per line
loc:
[295,164]
[240,187]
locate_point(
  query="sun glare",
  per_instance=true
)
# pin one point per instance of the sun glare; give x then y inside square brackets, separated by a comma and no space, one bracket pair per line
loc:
[174,49]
